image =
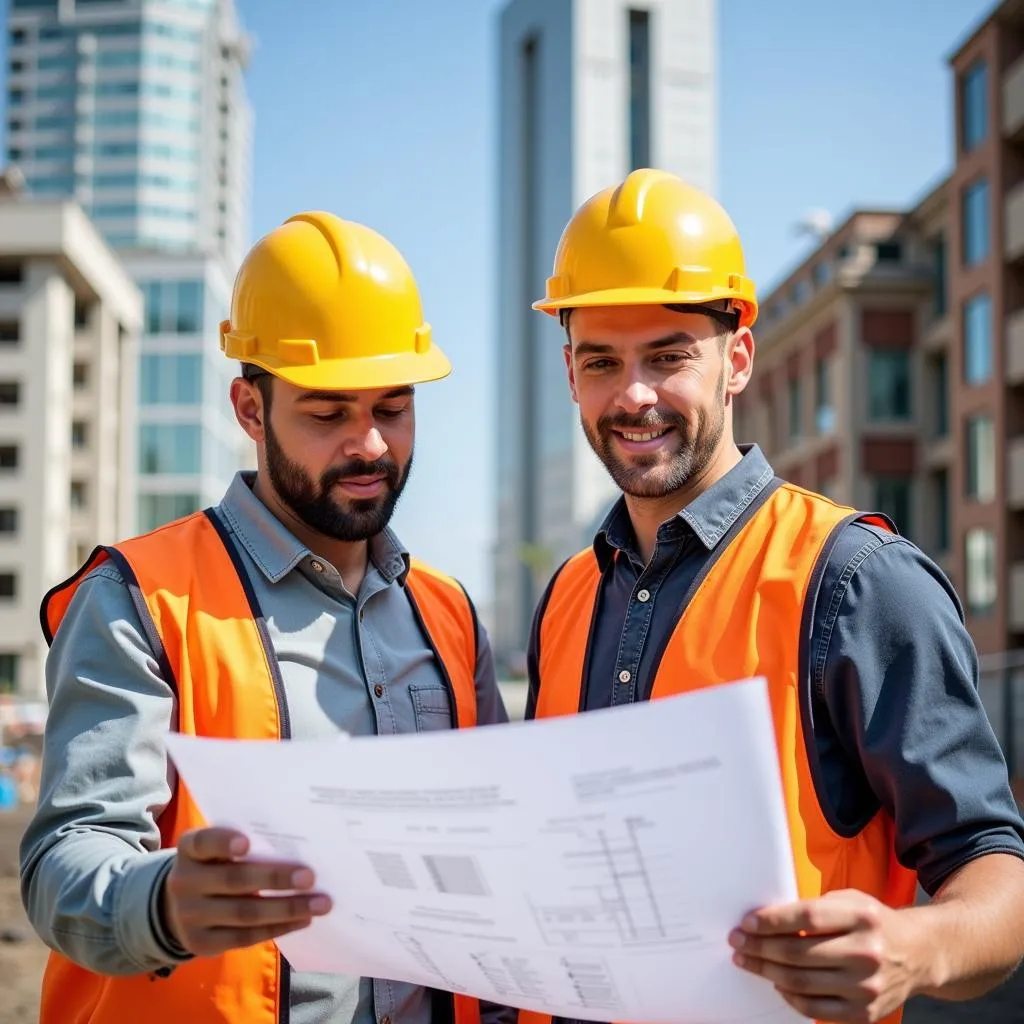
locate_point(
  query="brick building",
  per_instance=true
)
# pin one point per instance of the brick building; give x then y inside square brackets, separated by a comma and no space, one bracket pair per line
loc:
[890,363]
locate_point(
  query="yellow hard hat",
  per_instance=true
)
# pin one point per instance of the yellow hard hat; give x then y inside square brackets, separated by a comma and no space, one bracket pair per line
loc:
[326,303]
[653,239]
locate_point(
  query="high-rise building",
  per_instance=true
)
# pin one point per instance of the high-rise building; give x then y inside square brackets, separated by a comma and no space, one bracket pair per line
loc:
[138,110]
[70,317]
[589,90]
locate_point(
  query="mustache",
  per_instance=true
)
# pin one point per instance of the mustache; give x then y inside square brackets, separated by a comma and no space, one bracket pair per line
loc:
[650,420]
[383,466]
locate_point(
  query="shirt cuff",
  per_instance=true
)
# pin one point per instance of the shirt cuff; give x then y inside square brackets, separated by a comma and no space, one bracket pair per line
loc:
[141,931]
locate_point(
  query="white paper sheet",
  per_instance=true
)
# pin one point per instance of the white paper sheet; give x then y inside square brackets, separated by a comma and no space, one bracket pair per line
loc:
[589,867]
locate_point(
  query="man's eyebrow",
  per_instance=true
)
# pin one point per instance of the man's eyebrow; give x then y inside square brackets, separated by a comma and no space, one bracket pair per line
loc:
[352,396]
[593,348]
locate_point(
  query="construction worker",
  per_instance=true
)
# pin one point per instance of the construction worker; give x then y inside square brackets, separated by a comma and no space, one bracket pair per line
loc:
[289,610]
[710,569]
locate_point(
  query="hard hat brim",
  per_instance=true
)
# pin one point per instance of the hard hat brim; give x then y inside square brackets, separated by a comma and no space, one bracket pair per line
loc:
[363,374]
[646,297]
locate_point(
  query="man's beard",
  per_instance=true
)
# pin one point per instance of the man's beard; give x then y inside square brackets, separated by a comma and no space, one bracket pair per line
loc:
[355,520]
[654,475]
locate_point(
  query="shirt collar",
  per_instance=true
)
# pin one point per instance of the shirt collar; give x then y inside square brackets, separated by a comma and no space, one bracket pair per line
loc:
[709,516]
[277,551]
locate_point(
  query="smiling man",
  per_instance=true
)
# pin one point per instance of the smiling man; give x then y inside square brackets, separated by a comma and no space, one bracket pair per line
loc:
[289,610]
[710,569]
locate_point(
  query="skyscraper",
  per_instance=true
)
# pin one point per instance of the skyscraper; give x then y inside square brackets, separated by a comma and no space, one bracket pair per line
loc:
[589,90]
[138,109]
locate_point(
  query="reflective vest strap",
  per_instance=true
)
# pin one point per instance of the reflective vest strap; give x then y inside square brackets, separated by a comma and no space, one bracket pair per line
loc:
[530,1017]
[467,1010]
[565,635]
[448,619]
[56,601]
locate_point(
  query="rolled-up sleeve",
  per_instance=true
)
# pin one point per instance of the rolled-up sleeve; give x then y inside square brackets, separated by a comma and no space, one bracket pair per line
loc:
[91,863]
[899,673]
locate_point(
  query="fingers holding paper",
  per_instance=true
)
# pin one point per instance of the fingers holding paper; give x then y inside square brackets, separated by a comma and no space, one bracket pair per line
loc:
[840,958]
[214,900]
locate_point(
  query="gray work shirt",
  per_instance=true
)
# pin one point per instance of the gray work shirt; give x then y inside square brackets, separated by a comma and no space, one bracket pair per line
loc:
[900,724]
[91,863]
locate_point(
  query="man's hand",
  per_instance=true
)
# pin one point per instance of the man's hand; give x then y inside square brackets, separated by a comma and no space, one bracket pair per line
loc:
[843,957]
[212,902]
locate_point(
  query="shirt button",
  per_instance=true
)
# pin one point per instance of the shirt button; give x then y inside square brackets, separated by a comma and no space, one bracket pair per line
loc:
[643,596]
[379,692]
[624,676]
[316,566]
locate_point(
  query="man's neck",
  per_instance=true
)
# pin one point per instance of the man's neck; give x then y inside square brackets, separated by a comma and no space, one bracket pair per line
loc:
[350,558]
[648,514]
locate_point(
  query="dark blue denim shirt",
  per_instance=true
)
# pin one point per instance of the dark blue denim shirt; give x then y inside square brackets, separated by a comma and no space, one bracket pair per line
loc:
[899,723]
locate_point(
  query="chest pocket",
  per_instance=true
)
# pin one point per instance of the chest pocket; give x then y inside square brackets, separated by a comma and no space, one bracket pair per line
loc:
[431,706]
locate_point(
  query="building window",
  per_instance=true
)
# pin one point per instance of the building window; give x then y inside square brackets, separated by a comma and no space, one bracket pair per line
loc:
[888,252]
[980,558]
[170,448]
[174,307]
[938,387]
[158,509]
[978,339]
[824,413]
[939,298]
[80,376]
[976,223]
[8,586]
[974,106]
[8,520]
[639,89]
[10,392]
[78,434]
[794,410]
[889,384]
[9,672]
[83,310]
[9,333]
[8,456]
[821,274]
[171,379]
[893,499]
[78,494]
[940,503]
[980,454]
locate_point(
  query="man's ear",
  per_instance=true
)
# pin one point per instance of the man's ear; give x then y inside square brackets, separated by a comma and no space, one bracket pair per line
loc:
[247,402]
[739,361]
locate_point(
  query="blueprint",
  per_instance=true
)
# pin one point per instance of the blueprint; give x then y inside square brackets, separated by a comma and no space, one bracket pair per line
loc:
[588,867]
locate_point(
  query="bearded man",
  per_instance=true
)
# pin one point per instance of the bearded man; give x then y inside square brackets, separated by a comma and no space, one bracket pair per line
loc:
[289,610]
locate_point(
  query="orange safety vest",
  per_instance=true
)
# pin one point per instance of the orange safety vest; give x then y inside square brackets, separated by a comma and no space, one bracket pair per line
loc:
[204,624]
[748,616]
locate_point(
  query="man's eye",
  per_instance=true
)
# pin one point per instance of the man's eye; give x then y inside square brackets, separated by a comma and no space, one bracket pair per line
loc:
[391,414]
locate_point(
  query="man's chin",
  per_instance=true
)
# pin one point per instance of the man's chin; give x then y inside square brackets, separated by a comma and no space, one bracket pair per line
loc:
[655,482]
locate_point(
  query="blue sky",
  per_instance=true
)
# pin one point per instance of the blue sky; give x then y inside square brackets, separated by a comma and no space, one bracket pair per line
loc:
[384,111]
